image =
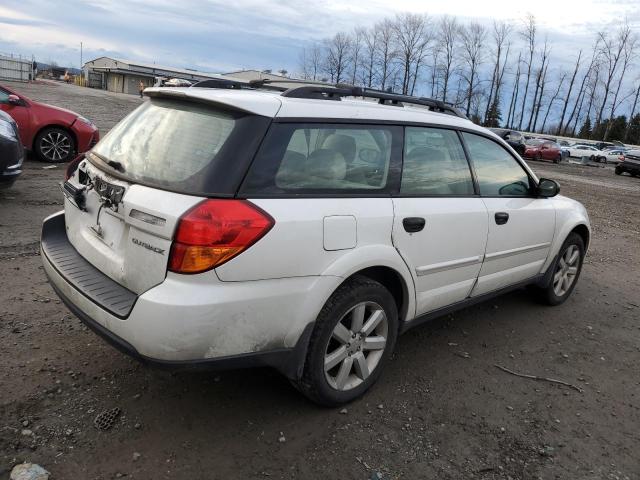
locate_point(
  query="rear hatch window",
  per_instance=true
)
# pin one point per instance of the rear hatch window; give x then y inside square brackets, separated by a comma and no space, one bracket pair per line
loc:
[182,146]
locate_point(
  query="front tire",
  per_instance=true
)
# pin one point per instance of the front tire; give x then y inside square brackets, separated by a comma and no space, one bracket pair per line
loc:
[566,271]
[618,171]
[55,145]
[354,336]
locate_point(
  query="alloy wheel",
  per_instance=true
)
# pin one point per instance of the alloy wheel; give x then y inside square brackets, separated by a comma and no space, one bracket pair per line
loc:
[356,346]
[566,271]
[55,146]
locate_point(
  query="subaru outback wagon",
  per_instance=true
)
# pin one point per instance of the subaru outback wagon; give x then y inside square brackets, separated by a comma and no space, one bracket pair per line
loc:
[304,229]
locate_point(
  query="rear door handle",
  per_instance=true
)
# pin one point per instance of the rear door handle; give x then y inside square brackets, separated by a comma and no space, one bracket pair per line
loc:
[413,224]
[501,218]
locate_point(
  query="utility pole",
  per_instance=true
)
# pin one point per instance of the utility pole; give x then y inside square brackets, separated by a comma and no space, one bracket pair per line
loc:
[81,56]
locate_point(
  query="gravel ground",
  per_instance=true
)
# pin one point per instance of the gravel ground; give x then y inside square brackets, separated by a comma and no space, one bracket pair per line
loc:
[441,410]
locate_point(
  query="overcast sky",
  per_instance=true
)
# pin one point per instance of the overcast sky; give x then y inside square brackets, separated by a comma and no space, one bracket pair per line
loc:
[223,35]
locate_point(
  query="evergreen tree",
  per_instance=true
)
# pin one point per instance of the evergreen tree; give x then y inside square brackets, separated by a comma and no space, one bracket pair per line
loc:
[634,130]
[585,130]
[494,115]
[618,127]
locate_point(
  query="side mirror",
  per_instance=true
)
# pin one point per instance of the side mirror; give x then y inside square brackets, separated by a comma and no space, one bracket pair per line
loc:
[548,188]
[14,100]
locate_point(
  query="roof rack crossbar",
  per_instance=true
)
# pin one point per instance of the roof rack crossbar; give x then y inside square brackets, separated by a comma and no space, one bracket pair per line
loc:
[338,91]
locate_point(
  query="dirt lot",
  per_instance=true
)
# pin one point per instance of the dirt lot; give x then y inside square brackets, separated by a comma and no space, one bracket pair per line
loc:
[441,410]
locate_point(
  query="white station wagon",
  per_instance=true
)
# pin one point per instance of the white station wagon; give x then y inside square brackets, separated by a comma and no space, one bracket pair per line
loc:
[233,225]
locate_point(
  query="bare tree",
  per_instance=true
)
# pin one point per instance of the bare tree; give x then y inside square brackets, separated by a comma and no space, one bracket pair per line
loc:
[448,30]
[357,43]
[310,61]
[627,56]
[568,95]
[511,120]
[473,37]
[632,113]
[500,34]
[338,50]
[611,51]
[577,107]
[435,57]
[386,52]
[538,105]
[535,104]
[529,35]
[412,36]
[552,101]
[370,41]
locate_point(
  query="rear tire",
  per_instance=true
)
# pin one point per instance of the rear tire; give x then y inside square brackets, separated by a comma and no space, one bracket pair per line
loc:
[538,156]
[54,145]
[354,337]
[558,158]
[566,271]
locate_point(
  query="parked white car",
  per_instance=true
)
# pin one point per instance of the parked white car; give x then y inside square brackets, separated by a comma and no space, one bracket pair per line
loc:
[243,227]
[580,150]
[613,155]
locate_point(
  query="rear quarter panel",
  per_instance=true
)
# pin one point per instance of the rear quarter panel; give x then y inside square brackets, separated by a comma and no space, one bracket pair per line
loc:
[298,244]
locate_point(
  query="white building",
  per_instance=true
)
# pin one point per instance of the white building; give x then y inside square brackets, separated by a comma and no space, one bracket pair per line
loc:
[124,76]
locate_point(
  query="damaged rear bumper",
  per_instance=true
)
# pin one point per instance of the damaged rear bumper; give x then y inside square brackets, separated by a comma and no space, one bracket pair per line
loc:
[191,322]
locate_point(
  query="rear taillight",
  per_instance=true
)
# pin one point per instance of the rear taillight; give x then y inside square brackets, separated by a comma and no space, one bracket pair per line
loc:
[72,167]
[215,231]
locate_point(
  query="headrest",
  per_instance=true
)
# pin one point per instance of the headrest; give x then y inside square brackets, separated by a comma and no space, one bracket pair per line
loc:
[344,144]
[327,164]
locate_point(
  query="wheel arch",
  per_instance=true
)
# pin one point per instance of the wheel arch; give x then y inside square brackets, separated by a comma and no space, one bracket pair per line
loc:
[392,281]
[582,230]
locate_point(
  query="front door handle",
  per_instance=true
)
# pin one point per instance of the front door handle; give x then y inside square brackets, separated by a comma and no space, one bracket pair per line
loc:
[501,218]
[413,224]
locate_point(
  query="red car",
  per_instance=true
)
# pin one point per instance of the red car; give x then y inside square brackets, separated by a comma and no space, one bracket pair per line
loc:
[542,150]
[53,134]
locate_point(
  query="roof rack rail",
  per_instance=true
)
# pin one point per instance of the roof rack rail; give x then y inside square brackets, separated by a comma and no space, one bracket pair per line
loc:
[226,83]
[328,92]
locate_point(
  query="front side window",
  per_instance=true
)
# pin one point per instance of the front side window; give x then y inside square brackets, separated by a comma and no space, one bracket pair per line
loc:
[310,158]
[498,173]
[4,96]
[434,163]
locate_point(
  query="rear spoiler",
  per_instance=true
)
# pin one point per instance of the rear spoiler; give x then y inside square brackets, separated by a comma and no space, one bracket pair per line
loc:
[224,99]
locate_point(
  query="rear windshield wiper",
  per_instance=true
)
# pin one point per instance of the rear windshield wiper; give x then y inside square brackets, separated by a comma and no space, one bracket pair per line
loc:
[112,163]
[115,165]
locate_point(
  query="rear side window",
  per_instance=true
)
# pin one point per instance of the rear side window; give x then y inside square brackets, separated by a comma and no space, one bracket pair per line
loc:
[434,163]
[329,158]
[498,173]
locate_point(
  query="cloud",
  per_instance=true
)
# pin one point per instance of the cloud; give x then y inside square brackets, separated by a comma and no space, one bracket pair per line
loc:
[218,35]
